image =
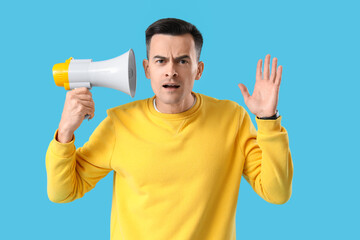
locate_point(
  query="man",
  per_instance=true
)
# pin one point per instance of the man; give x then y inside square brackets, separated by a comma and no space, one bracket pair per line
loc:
[177,157]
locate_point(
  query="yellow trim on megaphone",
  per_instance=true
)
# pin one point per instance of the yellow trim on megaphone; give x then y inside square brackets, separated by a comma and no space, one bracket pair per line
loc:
[60,74]
[67,86]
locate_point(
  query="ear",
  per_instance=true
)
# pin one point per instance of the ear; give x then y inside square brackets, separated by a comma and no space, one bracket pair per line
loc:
[200,69]
[146,68]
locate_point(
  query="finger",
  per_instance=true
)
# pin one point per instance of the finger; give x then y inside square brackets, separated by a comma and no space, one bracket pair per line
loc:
[92,116]
[273,70]
[81,90]
[76,97]
[266,67]
[91,113]
[77,92]
[258,69]
[278,76]
[244,91]
[84,97]
[88,111]
[89,104]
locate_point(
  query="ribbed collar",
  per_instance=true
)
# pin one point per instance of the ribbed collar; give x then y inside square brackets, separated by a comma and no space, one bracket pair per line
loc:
[176,116]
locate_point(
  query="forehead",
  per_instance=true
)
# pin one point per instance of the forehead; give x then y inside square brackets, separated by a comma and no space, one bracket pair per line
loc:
[164,45]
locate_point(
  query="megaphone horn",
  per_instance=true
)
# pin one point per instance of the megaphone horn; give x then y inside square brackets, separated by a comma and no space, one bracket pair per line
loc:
[118,73]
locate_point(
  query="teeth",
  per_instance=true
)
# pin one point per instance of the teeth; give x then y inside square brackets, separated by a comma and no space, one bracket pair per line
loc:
[170,85]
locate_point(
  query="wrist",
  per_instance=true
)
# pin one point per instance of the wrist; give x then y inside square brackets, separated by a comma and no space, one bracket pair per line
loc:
[64,136]
[275,116]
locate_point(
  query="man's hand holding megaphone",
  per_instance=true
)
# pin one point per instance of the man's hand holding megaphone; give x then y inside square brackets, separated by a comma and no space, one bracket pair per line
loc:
[81,75]
[78,103]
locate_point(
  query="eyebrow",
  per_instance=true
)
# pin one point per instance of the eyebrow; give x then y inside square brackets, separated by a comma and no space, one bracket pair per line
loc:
[177,58]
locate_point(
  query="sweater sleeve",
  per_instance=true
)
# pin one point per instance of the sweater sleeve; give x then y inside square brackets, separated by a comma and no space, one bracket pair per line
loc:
[268,166]
[72,172]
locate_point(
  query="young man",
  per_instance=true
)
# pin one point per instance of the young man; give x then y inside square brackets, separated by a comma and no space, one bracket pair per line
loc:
[178,156]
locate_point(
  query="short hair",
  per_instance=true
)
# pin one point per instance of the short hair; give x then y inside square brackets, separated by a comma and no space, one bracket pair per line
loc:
[175,27]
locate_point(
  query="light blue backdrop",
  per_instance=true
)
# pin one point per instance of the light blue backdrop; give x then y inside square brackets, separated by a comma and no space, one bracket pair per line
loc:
[316,42]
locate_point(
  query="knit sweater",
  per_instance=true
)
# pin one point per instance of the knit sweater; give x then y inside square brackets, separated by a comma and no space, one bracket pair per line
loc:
[176,176]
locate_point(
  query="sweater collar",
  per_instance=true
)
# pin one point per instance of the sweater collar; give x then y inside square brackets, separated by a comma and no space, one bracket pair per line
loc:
[188,113]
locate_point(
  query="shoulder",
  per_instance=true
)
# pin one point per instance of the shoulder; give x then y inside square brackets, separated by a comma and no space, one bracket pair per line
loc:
[224,113]
[222,105]
[128,108]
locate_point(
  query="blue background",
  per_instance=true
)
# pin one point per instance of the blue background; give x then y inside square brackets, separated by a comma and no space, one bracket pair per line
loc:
[316,42]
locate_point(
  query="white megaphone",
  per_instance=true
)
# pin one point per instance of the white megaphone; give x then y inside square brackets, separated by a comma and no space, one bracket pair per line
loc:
[118,73]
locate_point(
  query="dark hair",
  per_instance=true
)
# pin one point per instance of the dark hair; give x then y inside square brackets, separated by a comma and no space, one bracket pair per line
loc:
[174,26]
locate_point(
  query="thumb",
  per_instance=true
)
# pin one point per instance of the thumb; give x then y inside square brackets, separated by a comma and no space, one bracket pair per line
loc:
[244,91]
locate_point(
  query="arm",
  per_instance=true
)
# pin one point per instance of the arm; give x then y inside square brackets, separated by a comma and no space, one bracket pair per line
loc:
[72,172]
[268,164]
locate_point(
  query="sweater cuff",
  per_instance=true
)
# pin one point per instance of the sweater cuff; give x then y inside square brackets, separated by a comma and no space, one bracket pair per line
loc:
[62,149]
[268,125]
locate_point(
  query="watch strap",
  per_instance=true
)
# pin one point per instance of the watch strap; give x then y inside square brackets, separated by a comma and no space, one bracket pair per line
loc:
[275,116]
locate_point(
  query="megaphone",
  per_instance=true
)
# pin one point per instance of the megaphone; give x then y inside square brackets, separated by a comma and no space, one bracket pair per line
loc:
[118,73]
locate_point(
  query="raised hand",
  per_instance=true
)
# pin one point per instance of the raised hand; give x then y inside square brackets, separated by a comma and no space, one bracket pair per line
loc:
[264,100]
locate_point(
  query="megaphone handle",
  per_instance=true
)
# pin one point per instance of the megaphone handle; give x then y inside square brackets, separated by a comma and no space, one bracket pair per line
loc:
[87,116]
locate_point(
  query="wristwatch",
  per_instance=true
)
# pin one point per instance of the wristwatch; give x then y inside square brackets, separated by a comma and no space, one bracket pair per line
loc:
[275,116]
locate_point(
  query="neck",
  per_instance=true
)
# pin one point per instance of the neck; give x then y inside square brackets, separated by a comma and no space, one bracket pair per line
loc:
[186,104]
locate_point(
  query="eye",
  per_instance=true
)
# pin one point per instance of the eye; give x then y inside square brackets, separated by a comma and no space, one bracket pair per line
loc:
[159,61]
[183,61]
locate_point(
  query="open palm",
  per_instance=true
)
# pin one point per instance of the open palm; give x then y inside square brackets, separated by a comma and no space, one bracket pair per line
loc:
[264,100]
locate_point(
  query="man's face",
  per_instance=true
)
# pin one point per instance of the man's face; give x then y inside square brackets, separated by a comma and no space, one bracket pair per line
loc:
[172,67]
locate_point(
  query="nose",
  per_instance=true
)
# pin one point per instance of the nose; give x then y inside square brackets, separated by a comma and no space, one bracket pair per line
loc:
[171,71]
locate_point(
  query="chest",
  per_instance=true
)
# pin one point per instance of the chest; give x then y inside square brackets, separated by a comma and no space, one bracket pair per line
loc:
[174,153]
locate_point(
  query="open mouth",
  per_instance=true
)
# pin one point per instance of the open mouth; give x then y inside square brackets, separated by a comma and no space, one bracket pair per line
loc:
[171,86]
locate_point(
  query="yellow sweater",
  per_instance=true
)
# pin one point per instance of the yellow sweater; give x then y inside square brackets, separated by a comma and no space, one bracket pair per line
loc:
[176,176]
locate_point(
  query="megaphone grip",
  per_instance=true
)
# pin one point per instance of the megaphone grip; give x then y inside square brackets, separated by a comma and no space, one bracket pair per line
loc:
[87,116]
